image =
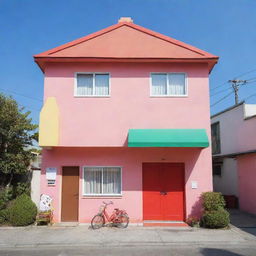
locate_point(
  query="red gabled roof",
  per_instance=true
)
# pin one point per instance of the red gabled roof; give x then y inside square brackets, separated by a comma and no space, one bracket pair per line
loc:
[125,41]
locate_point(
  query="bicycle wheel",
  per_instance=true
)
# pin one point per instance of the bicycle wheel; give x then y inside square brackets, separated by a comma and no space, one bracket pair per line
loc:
[123,221]
[97,221]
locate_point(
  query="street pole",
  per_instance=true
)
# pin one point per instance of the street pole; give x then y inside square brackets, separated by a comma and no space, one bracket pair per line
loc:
[235,85]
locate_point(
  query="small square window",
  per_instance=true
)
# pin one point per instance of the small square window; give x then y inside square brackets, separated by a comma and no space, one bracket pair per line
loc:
[216,170]
[94,84]
[168,84]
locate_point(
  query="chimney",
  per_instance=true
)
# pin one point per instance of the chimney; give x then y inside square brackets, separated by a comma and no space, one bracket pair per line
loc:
[125,19]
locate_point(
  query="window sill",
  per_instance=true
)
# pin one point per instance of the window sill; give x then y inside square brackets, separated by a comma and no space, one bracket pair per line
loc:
[168,96]
[101,196]
[92,96]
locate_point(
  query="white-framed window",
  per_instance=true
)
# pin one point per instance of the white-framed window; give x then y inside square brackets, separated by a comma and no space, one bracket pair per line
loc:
[168,84]
[92,84]
[99,181]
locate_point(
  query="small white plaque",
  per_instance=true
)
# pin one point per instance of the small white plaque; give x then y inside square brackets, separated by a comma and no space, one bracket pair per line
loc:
[194,184]
[51,173]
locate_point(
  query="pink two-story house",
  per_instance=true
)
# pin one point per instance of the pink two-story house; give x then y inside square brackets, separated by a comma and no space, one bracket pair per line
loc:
[126,118]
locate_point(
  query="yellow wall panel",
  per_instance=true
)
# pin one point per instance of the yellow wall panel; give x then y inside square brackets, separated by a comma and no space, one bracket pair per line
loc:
[49,124]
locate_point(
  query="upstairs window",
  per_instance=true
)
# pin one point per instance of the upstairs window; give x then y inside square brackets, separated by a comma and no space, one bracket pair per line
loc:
[168,84]
[215,130]
[92,84]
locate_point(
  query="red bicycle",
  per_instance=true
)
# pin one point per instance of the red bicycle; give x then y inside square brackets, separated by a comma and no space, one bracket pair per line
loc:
[118,218]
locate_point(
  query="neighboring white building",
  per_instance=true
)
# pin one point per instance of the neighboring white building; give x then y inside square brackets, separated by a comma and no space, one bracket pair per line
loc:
[233,135]
[35,179]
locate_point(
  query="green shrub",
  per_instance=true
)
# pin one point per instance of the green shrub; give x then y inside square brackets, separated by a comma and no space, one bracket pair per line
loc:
[193,221]
[212,201]
[6,195]
[4,216]
[23,211]
[216,219]
[22,188]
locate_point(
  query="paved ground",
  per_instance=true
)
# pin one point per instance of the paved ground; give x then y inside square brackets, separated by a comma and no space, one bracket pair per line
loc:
[243,221]
[81,236]
[81,240]
[63,241]
[190,250]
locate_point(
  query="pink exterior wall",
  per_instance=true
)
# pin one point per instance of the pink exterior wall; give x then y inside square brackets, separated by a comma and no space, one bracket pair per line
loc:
[247,176]
[94,121]
[94,130]
[197,168]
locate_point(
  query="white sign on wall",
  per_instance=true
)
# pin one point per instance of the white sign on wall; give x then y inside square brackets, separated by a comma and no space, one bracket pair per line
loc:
[51,173]
[194,184]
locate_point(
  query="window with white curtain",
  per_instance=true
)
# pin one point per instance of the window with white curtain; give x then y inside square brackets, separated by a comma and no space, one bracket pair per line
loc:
[168,84]
[92,84]
[102,180]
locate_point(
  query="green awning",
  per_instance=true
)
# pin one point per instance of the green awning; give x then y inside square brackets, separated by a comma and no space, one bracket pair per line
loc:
[168,138]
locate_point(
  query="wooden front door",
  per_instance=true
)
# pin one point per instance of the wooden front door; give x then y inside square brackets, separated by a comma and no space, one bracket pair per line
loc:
[163,191]
[70,193]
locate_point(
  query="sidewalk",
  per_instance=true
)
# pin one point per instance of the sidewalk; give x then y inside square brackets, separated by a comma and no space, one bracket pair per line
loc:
[244,221]
[132,236]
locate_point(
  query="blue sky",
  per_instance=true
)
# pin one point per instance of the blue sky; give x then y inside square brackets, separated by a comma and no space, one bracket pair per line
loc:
[224,28]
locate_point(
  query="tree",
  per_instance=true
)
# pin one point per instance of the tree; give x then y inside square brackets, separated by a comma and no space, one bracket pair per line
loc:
[16,137]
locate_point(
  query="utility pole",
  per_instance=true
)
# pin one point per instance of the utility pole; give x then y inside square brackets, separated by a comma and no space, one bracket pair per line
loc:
[235,85]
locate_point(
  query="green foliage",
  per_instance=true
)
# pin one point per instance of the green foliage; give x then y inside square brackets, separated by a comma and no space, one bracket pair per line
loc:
[215,216]
[16,135]
[4,215]
[23,211]
[193,221]
[216,219]
[212,201]
[6,194]
[22,188]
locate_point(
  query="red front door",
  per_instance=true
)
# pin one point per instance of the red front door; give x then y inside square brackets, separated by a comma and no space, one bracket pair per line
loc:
[163,191]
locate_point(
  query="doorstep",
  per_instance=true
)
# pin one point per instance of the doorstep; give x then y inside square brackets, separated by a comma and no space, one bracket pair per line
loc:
[155,223]
[66,224]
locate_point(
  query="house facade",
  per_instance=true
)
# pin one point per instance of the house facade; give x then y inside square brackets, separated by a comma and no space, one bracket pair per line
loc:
[126,118]
[234,153]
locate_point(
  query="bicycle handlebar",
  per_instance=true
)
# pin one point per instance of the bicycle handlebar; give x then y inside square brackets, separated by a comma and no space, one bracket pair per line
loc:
[110,202]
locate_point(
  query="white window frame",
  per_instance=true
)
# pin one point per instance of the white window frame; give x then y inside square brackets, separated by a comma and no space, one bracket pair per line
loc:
[102,195]
[167,77]
[93,85]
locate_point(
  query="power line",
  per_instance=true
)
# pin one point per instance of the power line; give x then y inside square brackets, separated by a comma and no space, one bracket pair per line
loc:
[253,78]
[245,73]
[29,97]
[218,86]
[221,91]
[250,96]
[242,74]
[221,99]
[28,107]
[251,81]
[235,85]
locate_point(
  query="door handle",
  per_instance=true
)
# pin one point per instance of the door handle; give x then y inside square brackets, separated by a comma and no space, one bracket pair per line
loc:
[163,193]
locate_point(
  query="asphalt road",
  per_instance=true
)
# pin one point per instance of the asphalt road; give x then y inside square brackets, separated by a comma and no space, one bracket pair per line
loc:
[213,250]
